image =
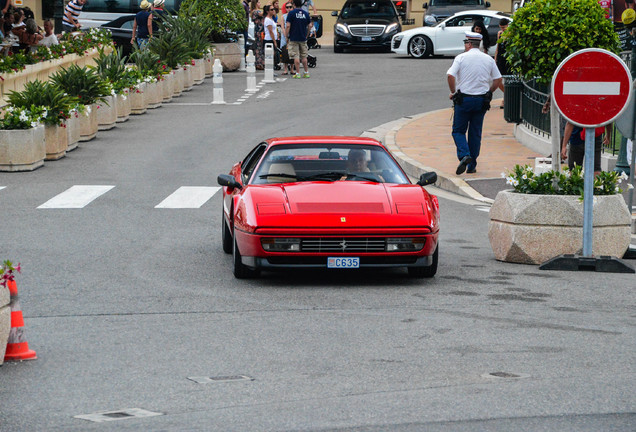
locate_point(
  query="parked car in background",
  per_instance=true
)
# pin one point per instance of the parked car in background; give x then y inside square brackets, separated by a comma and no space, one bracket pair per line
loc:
[121,29]
[365,24]
[446,38]
[95,13]
[327,202]
[438,10]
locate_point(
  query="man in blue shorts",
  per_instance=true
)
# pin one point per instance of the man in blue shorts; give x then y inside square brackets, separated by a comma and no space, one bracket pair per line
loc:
[297,30]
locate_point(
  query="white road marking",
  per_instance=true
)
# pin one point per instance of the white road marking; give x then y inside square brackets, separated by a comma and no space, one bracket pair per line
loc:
[604,88]
[2,187]
[77,196]
[189,197]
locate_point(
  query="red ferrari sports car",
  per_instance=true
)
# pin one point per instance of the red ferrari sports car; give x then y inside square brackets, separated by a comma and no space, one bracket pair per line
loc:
[327,201]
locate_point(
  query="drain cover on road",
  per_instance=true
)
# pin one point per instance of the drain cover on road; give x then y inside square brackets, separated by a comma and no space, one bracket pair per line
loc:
[206,380]
[124,414]
[505,375]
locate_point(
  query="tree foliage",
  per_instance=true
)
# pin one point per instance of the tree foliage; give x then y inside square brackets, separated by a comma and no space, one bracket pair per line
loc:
[224,15]
[544,32]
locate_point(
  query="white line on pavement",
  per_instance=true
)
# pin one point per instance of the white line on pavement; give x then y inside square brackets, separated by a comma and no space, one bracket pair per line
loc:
[77,196]
[188,197]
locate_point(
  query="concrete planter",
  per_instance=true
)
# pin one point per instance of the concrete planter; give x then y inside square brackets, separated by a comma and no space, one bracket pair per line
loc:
[107,113]
[177,81]
[138,103]
[198,71]
[5,321]
[123,107]
[22,150]
[229,54]
[188,78]
[166,87]
[209,64]
[73,127]
[56,139]
[531,229]
[88,123]
[154,95]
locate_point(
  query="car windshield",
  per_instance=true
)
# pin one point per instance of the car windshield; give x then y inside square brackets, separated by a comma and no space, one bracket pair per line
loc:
[369,9]
[327,162]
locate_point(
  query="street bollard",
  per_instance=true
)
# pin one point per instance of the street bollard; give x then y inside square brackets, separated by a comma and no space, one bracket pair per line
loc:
[218,82]
[269,63]
[241,43]
[251,73]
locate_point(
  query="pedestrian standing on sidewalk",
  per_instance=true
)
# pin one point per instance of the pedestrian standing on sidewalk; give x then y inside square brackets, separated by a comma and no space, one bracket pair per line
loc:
[297,30]
[142,26]
[575,152]
[472,78]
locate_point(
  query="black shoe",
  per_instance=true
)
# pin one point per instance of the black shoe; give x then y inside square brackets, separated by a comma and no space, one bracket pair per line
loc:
[462,164]
[471,170]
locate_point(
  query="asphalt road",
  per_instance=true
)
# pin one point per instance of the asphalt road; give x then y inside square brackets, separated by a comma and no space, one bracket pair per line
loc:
[129,305]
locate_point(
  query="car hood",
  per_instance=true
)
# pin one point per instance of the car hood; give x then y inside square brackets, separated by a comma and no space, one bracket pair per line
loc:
[362,21]
[428,31]
[340,204]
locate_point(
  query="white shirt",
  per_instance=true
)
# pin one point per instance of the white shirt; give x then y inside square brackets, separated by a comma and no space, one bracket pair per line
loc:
[49,41]
[269,23]
[474,72]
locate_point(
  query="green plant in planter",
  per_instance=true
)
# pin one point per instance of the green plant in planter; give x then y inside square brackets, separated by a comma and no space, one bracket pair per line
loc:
[148,63]
[570,182]
[57,103]
[21,118]
[222,15]
[82,83]
[544,32]
[197,27]
[170,45]
[112,67]
[7,272]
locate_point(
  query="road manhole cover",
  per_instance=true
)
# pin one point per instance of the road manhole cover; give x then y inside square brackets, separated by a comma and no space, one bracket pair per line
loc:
[104,416]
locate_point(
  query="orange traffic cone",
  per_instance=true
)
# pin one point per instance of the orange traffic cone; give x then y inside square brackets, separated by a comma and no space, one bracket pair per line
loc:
[17,347]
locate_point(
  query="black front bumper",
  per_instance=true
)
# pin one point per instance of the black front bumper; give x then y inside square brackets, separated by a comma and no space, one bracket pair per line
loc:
[382,41]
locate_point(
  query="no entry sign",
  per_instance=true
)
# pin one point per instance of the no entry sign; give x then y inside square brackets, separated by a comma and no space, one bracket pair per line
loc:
[591,87]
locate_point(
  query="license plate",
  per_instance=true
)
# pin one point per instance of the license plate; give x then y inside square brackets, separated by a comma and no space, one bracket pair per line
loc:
[343,262]
[366,38]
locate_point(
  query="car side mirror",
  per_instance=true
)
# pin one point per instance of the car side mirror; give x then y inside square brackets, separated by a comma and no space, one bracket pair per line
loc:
[487,4]
[229,181]
[334,13]
[427,178]
[442,26]
[425,6]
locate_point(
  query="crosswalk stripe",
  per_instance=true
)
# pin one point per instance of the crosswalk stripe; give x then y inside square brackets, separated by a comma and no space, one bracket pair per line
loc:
[188,197]
[77,196]
[2,187]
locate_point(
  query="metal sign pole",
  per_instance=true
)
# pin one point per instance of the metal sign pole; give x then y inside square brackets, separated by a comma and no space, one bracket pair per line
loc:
[588,192]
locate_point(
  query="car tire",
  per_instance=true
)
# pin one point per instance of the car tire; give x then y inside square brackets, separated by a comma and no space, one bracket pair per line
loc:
[426,272]
[226,235]
[337,49]
[420,46]
[241,271]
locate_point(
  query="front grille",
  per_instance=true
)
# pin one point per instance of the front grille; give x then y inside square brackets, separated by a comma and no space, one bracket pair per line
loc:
[343,244]
[366,30]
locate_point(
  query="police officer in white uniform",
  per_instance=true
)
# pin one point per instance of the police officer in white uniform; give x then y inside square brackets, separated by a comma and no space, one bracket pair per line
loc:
[472,78]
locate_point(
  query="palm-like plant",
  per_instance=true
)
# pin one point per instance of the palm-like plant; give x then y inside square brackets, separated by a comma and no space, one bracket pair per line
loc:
[58,104]
[83,83]
[147,62]
[112,67]
[171,44]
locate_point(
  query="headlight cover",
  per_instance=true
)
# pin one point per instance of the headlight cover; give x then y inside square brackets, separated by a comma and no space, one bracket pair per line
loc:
[405,244]
[342,29]
[391,28]
[281,244]
[398,38]
[430,20]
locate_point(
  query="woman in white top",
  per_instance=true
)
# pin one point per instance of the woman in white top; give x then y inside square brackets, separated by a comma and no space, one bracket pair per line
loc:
[270,25]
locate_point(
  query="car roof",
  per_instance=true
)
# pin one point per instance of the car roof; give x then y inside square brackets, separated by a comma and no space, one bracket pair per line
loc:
[485,12]
[326,139]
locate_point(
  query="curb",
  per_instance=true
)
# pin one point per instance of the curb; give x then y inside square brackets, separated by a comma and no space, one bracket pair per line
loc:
[386,134]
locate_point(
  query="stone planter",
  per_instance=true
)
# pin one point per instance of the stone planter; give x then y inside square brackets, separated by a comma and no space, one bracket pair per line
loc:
[107,113]
[188,79]
[531,229]
[154,96]
[229,54]
[73,127]
[166,87]
[209,64]
[88,123]
[22,150]
[56,139]
[177,81]
[5,321]
[198,71]
[138,103]
[123,107]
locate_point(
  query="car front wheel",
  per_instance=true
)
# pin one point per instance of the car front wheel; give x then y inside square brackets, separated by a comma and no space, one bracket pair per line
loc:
[420,46]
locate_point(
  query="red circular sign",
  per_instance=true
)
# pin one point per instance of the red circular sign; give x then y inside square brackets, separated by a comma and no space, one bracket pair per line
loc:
[591,87]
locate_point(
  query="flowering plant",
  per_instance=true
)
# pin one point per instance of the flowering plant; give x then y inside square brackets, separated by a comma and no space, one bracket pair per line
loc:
[46,94]
[6,272]
[569,182]
[21,118]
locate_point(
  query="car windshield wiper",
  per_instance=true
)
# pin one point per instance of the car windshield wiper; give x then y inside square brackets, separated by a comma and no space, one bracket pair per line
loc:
[283,175]
[330,176]
[368,177]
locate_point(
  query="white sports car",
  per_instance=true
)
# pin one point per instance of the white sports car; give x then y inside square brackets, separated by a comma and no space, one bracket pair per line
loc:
[446,38]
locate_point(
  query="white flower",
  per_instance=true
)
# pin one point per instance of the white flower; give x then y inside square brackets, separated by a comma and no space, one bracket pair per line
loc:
[88,110]
[24,117]
[9,109]
[623,176]
[525,177]
[515,182]
[617,189]
[510,180]
[630,186]
[34,124]
[112,92]
[45,113]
